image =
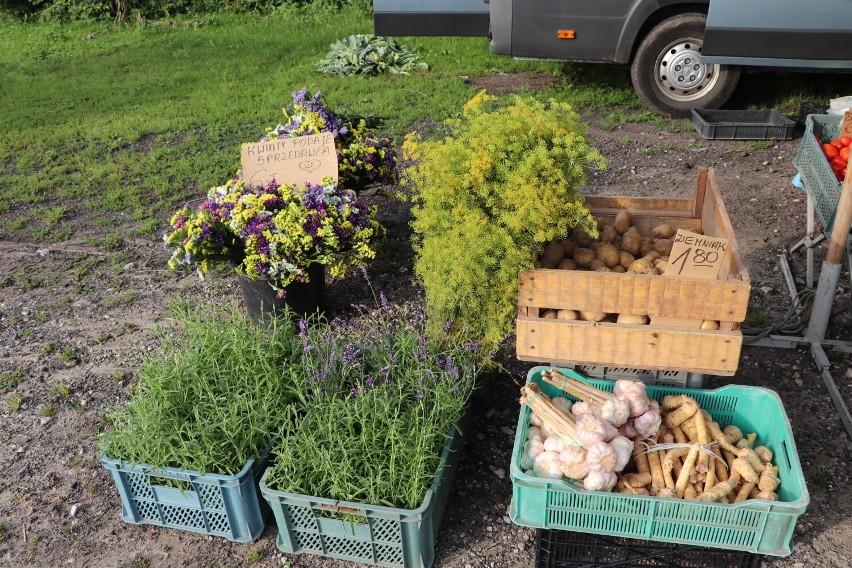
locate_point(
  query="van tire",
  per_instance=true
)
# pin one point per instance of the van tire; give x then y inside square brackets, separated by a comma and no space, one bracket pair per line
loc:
[674,44]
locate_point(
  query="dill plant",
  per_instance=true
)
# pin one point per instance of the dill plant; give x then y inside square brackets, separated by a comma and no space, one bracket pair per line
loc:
[381,397]
[488,197]
[212,398]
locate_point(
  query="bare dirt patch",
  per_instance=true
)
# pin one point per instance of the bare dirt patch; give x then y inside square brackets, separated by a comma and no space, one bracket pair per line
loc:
[503,83]
[82,316]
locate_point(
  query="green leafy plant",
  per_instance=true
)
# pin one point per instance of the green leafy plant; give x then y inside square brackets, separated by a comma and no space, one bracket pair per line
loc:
[10,380]
[381,397]
[212,398]
[16,402]
[488,197]
[363,54]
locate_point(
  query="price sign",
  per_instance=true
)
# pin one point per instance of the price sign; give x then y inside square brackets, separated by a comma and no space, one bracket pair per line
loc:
[846,124]
[697,256]
[290,160]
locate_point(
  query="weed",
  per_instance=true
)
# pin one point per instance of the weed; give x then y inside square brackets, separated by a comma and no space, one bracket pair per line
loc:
[148,227]
[17,497]
[67,528]
[85,266]
[755,145]
[10,380]
[77,406]
[49,348]
[67,354]
[758,318]
[120,375]
[102,336]
[122,300]
[625,140]
[91,489]
[4,527]
[60,390]
[26,282]
[137,561]
[75,461]
[15,402]
[48,409]
[254,556]
[41,318]
[744,198]
[835,355]
[27,332]
[31,546]
[111,243]
[81,289]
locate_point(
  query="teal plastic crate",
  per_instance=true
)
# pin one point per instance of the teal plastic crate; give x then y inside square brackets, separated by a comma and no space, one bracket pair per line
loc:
[819,179]
[385,536]
[219,505]
[757,526]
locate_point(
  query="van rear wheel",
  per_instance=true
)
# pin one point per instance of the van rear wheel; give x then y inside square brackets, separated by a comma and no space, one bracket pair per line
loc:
[668,74]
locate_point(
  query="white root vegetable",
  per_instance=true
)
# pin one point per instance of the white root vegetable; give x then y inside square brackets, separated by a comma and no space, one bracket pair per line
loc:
[547,465]
[600,481]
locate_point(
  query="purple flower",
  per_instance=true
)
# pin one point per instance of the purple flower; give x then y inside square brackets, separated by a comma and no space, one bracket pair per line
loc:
[455,390]
[384,301]
[350,354]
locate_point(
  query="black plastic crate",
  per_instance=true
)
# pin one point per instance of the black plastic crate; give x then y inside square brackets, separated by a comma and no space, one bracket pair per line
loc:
[567,549]
[767,124]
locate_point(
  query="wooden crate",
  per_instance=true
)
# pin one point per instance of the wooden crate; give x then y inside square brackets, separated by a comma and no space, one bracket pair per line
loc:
[653,347]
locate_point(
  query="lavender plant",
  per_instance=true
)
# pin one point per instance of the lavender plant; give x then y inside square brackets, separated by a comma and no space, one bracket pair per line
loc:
[381,396]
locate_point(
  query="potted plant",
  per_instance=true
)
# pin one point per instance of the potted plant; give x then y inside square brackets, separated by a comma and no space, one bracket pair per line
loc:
[188,448]
[366,474]
[278,238]
[364,158]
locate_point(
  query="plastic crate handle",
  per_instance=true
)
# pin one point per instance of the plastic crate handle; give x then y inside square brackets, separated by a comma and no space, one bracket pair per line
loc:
[341,509]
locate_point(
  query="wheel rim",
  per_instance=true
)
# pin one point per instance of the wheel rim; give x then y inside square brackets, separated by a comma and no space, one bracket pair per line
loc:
[680,74]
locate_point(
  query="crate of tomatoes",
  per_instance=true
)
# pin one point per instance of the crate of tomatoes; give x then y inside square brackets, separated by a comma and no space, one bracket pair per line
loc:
[821,160]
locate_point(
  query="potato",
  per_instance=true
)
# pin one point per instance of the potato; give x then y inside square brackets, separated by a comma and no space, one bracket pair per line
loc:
[709,324]
[603,268]
[553,252]
[663,247]
[548,314]
[620,269]
[630,243]
[625,259]
[661,266]
[595,246]
[567,315]
[622,221]
[652,256]
[664,231]
[581,237]
[608,234]
[632,229]
[583,257]
[642,266]
[645,246]
[634,319]
[592,316]
[567,264]
[568,246]
[597,264]
[608,254]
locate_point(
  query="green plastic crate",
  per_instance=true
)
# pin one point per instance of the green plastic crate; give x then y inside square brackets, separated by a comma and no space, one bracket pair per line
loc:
[386,536]
[219,505]
[819,179]
[762,527]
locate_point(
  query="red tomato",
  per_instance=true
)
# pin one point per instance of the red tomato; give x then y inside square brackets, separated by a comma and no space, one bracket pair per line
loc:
[837,144]
[844,153]
[846,140]
[829,151]
[842,174]
[818,139]
[837,163]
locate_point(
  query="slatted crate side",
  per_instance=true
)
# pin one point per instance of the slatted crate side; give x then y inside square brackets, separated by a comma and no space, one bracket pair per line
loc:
[716,223]
[691,298]
[636,346]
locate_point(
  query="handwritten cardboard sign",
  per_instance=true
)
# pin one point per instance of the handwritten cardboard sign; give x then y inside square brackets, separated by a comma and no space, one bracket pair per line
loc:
[694,256]
[290,160]
[846,124]
[697,256]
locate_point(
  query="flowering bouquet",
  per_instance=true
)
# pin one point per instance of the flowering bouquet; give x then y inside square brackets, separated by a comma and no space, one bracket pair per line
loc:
[274,232]
[363,158]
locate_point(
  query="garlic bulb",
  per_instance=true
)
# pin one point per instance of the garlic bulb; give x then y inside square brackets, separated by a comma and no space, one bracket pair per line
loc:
[591,430]
[535,419]
[534,433]
[531,451]
[547,465]
[579,408]
[601,457]
[634,393]
[573,460]
[562,403]
[616,411]
[546,430]
[627,430]
[649,423]
[623,450]
[556,444]
[600,481]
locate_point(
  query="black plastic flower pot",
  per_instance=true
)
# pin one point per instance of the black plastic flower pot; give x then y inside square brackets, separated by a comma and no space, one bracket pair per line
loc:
[302,298]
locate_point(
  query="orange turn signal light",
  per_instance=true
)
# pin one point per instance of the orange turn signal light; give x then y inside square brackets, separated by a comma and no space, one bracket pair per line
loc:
[565,34]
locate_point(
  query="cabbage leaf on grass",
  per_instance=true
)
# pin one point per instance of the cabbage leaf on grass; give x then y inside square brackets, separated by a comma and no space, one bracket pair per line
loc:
[369,55]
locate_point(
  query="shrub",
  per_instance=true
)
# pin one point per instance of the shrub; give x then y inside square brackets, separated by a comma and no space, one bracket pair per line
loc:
[488,197]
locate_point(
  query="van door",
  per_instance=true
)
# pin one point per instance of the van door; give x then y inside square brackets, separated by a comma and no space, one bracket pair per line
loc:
[430,17]
[785,33]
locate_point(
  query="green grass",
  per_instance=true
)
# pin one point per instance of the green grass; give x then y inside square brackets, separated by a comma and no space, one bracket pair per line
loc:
[10,380]
[15,402]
